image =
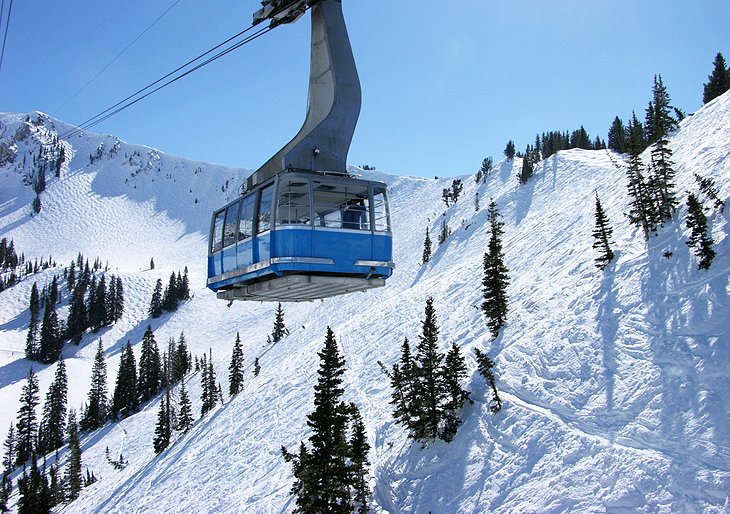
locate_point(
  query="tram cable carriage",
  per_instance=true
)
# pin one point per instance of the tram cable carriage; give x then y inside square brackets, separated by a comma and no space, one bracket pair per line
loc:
[304,228]
[302,237]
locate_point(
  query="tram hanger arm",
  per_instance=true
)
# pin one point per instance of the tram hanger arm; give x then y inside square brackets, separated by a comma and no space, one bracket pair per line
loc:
[281,11]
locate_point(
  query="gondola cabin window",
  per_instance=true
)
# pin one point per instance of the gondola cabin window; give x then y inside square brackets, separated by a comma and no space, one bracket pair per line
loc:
[341,206]
[245,226]
[294,206]
[229,228]
[217,239]
[381,213]
[264,212]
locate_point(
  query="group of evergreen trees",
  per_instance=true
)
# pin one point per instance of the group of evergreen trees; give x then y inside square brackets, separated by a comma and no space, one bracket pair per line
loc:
[176,291]
[173,415]
[8,256]
[14,267]
[484,170]
[330,473]
[211,392]
[546,145]
[652,189]
[700,239]
[451,195]
[31,438]
[428,395]
[719,80]
[93,305]
[50,159]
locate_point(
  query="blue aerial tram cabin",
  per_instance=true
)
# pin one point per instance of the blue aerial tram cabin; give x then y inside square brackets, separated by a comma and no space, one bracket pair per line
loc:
[301,236]
[304,228]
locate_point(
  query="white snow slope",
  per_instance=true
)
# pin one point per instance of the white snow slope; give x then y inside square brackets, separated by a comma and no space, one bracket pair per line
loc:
[615,384]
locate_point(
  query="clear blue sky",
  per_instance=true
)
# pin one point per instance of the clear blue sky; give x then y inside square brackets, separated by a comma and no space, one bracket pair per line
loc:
[445,84]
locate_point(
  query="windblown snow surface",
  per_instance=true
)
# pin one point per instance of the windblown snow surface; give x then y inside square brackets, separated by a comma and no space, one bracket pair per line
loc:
[615,384]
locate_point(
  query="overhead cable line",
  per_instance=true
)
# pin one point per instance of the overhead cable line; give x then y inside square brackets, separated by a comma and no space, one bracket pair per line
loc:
[131,100]
[92,79]
[5,37]
[2,13]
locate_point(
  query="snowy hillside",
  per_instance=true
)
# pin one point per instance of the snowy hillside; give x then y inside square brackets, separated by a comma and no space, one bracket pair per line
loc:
[615,383]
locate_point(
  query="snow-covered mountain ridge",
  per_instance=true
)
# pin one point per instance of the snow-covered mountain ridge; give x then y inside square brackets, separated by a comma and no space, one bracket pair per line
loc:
[615,383]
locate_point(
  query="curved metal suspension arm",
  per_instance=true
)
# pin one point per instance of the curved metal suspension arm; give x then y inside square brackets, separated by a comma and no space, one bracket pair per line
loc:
[333,105]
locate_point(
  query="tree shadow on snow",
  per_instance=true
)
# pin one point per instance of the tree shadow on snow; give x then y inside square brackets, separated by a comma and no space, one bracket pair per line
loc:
[687,310]
[434,478]
[524,195]
[608,324]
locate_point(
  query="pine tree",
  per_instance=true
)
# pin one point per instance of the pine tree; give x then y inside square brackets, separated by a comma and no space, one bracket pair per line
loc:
[485,366]
[642,208]
[209,393]
[235,369]
[527,169]
[358,455]
[429,395]
[453,374]
[50,341]
[52,426]
[150,367]
[169,298]
[279,330]
[509,151]
[152,263]
[403,382]
[602,233]
[212,388]
[34,491]
[445,232]
[707,187]
[98,315]
[125,400]
[155,310]
[496,277]
[426,248]
[185,418]
[456,188]
[617,136]
[181,362]
[73,478]
[26,427]
[55,485]
[110,306]
[162,430]
[118,300]
[662,124]
[699,240]
[323,478]
[96,412]
[256,367]
[204,384]
[184,289]
[71,276]
[446,196]
[90,478]
[6,487]
[77,316]
[32,348]
[718,82]
[484,171]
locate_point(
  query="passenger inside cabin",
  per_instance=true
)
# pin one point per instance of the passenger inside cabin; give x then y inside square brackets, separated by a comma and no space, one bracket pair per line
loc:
[352,216]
